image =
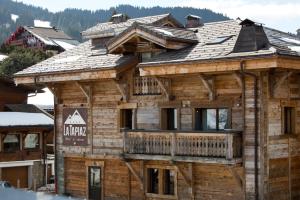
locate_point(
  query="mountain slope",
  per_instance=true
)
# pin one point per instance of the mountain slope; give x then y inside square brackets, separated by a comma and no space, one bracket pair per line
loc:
[73,21]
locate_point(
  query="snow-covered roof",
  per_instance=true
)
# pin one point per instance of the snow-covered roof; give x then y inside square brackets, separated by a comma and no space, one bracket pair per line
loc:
[11,119]
[40,23]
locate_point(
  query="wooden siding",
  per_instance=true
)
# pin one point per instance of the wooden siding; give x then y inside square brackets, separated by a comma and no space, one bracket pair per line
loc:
[278,155]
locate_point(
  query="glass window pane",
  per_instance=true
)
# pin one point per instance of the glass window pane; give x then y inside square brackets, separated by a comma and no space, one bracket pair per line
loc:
[211,119]
[11,142]
[95,177]
[223,119]
[169,177]
[153,180]
[31,141]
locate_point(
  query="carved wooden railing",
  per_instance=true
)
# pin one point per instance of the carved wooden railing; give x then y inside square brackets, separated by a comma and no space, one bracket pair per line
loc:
[149,85]
[197,144]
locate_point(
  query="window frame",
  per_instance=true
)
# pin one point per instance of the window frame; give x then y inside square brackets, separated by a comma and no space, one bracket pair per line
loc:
[293,119]
[161,186]
[20,142]
[217,108]
[122,119]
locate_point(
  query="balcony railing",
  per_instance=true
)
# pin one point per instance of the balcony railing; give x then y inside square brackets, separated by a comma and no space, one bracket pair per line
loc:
[149,85]
[225,145]
[20,155]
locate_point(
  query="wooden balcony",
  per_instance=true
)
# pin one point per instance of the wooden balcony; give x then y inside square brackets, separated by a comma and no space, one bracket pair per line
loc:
[149,85]
[224,147]
[20,155]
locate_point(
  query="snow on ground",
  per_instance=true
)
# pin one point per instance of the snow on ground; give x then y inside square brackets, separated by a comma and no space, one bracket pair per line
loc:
[45,98]
[24,119]
[64,45]
[40,23]
[14,17]
[2,57]
[15,194]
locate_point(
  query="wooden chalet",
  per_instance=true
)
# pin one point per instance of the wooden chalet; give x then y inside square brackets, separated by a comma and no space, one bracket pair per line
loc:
[25,131]
[148,109]
[49,39]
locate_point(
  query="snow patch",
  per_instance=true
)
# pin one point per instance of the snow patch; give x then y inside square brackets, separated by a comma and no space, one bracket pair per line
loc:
[64,45]
[67,59]
[164,32]
[295,48]
[24,119]
[14,17]
[2,57]
[290,40]
[40,23]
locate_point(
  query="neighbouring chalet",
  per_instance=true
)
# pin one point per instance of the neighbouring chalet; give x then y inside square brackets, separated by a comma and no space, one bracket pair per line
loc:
[49,39]
[148,109]
[25,133]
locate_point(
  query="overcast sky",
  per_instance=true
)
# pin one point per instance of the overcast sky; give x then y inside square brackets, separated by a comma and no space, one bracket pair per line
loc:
[280,14]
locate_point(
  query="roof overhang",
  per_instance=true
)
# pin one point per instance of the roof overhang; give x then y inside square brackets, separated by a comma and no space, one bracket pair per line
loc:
[79,75]
[220,65]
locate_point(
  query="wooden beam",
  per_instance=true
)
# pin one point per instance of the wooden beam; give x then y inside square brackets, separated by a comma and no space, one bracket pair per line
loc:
[122,87]
[185,177]
[209,85]
[163,87]
[238,78]
[275,84]
[278,83]
[237,177]
[86,90]
[135,174]
[191,174]
[55,91]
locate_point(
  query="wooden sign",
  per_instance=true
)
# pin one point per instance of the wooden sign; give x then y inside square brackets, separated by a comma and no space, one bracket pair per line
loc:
[75,121]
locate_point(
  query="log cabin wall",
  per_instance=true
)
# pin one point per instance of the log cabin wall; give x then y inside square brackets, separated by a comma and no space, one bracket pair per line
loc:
[189,93]
[283,155]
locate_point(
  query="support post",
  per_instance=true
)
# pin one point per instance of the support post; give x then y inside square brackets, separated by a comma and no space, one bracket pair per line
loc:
[135,174]
[163,87]
[209,85]
[122,87]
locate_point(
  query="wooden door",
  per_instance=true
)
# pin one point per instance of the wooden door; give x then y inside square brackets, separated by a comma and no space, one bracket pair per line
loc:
[95,184]
[12,174]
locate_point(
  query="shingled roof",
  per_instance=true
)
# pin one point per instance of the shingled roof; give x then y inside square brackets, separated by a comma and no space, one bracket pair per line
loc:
[113,29]
[81,58]
[214,41]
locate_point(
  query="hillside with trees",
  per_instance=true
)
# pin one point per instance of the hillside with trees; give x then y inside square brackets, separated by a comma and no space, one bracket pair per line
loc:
[73,21]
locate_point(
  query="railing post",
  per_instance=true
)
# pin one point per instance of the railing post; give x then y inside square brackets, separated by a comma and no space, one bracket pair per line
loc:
[229,153]
[173,144]
[124,140]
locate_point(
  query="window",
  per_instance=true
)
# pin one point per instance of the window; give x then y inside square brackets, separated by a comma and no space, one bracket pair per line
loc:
[153,180]
[161,181]
[289,120]
[31,141]
[212,119]
[126,118]
[169,117]
[11,143]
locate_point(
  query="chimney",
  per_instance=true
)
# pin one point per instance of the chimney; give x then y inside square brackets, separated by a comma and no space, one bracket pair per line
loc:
[118,18]
[298,33]
[193,21]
